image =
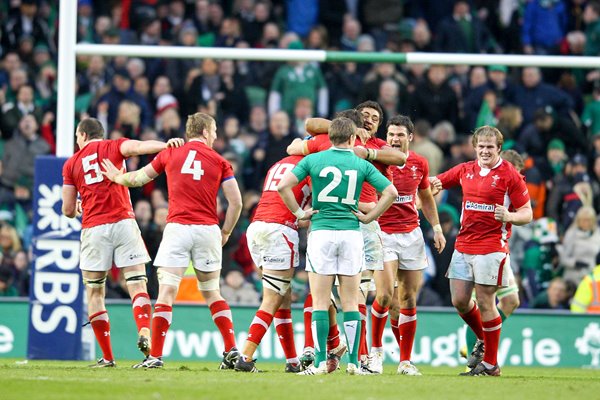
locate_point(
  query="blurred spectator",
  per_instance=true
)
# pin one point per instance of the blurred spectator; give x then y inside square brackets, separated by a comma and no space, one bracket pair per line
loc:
[422,145]
[302,15]
[463,32]
[27,23]
[587,296]
[303,110]
[22,272]
[591,17]
[371,86]
[533,94]
[580,246]
[421,35]
[351,31]
[236,290]
[231,97]
[7,289]
[544,26]
[553,164]
[555,297]
[298,79]
[591,113]
[273,147]
[345,82]
[433,99]
[12,113]
[540,260]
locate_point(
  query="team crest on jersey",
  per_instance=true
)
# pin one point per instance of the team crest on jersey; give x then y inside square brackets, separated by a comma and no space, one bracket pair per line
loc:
[414,171]
[495,178]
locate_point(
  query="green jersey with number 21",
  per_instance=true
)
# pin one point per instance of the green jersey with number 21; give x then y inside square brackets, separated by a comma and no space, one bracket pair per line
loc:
[337,177]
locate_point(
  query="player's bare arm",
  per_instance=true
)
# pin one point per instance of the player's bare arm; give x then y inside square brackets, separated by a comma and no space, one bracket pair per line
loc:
[70,202]
[233,196]
[436,185]
[317,126]
[429,208]
[131,148]
[385,201]
[284,188]
[297,148]
[130,179]
[365,207]
[521,216]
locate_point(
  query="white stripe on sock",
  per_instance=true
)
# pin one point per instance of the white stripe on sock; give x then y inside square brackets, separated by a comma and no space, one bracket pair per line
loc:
[168,315]
[279,321]
[406,318]
[494,328]
[224,313]
[259,321]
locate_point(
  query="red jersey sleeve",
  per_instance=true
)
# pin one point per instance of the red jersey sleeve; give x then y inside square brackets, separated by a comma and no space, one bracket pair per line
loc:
[67,173]
[517,190]
[227,171]
[317,144]
[451,177]
[160,161]
[116,146]
[424,184]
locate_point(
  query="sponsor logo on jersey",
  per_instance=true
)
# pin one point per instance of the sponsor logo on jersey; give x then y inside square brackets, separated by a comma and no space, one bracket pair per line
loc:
[404,199]
[482,207]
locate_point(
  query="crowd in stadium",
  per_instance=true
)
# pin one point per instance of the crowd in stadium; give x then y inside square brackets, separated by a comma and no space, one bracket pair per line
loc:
[550,116]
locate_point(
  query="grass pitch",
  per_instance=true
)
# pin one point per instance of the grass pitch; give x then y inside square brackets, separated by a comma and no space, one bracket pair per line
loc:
[201,380]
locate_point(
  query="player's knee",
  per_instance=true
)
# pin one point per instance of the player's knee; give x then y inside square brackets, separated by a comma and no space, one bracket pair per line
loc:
[211,285]
[135,278]
[96,285]
[276,284]
[384,299]
[461,304]
[166,278]
[509,304]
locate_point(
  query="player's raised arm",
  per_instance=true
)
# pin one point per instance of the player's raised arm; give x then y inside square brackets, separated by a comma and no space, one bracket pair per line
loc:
[131,148]
[297,148]
[317,126]
[130,179]
[233,196]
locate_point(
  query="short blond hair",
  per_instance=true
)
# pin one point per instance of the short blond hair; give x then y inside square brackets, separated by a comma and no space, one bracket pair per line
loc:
[341,130]
[197,123]
[487,131]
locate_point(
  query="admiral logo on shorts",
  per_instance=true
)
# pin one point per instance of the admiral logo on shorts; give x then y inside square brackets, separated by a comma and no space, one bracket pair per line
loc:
[273,259]
[134,256]
[482,207]
[209,262]
[404,199]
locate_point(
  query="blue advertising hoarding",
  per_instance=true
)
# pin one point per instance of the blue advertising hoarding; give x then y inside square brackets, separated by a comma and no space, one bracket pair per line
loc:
[56,292]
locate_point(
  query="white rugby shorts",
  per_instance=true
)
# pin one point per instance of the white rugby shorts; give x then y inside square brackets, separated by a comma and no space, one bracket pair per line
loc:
[120,242]
[334,252]
[373,246]
[273,246]
[199,243]
[408,249]
[484,269]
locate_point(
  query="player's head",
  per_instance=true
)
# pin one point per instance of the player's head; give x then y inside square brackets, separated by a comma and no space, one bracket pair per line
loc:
[352,114]
[399,132]
[372,115]
[89,129]
[342,131]
[514,158]
[487,142]
[201,126]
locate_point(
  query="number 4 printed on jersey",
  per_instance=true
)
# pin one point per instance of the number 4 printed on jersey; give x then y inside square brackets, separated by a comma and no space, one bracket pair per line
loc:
[192,166]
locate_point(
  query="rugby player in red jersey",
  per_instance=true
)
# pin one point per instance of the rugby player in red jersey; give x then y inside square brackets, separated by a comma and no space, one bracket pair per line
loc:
[195,173]
[110,232]
[491,186]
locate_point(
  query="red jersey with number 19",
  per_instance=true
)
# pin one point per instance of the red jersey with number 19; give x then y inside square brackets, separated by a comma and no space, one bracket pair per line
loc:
[270,207]
[103,201]
[483,188]
[194,175]
[402,216]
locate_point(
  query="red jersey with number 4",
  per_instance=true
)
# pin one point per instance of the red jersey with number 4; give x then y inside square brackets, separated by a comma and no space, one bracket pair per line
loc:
[402,216]
[482,190]
[271,207]
[369,194]
[194,175]
[103,201]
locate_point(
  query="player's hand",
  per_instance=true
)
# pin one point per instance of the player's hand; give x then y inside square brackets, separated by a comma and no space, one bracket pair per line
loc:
[439,241]
[308,213]
[436,185]
[224,237]
[501,213]
[78,208]
[362,217]
[110,171]
[362,134]
[175,142]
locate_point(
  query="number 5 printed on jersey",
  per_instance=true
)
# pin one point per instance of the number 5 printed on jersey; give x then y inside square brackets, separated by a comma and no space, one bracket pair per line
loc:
[90,164]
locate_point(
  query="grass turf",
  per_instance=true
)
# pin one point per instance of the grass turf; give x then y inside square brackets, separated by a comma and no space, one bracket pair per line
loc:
[201,380]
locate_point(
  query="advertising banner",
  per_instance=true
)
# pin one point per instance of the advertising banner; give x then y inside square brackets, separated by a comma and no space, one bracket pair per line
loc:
[56,292]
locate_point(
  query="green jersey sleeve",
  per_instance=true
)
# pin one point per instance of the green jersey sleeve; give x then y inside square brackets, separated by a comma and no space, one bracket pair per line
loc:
[375,178]
[302,169]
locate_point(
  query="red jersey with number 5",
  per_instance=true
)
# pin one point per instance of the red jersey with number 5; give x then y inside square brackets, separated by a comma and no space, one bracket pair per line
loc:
[402,216]
[194,175]
[103,201]
[483,189]
[271,207]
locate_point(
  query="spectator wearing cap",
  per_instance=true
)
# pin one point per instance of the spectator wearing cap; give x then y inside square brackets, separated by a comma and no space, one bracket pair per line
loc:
[553,163]
[571,190]
[548,125]
[463,32]
[121,89]
[498,83]
[532,93]
[28,22]
[580,245]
